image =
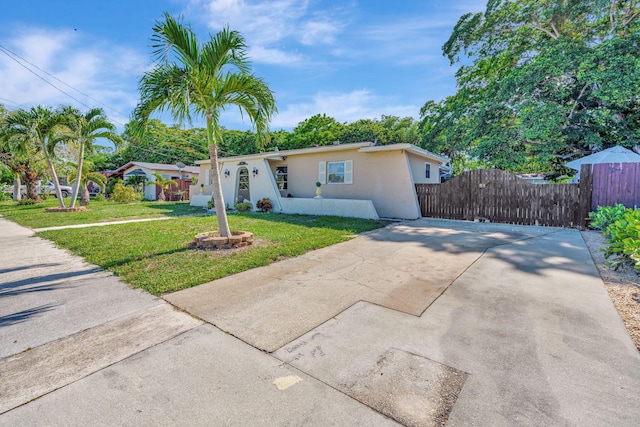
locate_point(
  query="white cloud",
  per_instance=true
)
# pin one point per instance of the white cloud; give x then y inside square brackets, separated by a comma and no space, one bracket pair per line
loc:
[100,70]
[266,55]
[344,107]
[269,24]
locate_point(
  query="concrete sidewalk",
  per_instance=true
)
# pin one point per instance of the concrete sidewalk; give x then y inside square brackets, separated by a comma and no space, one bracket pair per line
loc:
[423,323]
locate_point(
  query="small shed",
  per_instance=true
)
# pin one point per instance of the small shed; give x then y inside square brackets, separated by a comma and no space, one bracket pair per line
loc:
[615,154]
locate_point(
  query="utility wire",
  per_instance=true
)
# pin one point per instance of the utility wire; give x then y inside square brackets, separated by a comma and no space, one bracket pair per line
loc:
[13,56]
[11,102]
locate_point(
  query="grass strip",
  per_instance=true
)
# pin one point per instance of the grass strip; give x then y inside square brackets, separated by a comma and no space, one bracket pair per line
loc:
[159,256]
[36,216]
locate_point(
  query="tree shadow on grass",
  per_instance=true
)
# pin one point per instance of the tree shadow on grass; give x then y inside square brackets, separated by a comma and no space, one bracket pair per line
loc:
[176,209]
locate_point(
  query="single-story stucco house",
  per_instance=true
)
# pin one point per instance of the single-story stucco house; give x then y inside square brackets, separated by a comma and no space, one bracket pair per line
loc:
[357,180]
[148,169]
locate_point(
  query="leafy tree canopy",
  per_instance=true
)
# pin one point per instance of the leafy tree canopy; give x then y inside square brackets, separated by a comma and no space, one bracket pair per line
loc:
[541,81]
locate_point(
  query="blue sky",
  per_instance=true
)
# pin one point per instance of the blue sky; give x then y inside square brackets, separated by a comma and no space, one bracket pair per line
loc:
[348,59]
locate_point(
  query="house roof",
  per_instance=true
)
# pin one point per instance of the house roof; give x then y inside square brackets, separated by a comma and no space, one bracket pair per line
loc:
[157,166]
[365,147]
[615,154]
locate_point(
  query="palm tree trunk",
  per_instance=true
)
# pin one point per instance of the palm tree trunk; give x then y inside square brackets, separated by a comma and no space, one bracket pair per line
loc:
[218,199]
[84,200]
[74,193]
[30,179]
[56,184]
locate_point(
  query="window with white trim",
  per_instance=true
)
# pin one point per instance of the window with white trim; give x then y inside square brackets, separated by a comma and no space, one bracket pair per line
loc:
[337,172]
[427,170]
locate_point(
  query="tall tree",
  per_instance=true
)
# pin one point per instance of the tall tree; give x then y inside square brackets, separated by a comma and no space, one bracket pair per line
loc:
[38,128]
[542,80]
[319,129]
[83,130]
[23,158]
[203,79]
[163,144]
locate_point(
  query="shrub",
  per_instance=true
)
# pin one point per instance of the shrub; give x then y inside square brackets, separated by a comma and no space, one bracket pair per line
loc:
[122,194]
[264,205]
[111,185]
[623,237]
[24,201]
[243,206]
[100,197]
[606,215]
[210,204]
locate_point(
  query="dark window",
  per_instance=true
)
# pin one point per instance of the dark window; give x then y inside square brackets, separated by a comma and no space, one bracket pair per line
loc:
[282,177]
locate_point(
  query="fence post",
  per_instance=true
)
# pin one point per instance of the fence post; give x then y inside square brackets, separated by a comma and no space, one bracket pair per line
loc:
[586,189]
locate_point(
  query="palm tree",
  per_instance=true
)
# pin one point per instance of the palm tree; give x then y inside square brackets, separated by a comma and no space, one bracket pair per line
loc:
[40,126]
[84,130]
[24,159]
[163,184]
[203,79]
[84,178]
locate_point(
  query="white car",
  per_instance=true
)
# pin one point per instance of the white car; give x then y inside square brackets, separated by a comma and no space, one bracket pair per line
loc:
[49,188]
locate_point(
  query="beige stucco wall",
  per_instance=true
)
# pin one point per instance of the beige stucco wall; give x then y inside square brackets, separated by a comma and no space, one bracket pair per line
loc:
[386,178]
[261,185]
[383,177]
[418,168]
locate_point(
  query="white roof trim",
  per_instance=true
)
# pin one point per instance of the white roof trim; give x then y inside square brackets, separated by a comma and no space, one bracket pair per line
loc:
[277,155]
[407,147]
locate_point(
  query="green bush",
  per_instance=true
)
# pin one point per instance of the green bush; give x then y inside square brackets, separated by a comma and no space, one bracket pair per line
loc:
[243,206]
[111,185]
[606,215]
[122,194]
[623,237]
[100,197]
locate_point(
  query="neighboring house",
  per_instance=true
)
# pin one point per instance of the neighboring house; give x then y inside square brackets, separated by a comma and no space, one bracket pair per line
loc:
[148,169]
[358,180]
[534,178]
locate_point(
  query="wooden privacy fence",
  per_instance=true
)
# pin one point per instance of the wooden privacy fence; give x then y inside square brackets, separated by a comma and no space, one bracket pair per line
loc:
[498,196]
[614,183]
[176,193]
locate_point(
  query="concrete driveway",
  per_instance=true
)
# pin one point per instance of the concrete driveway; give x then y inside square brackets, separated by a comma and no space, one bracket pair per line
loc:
[422,323]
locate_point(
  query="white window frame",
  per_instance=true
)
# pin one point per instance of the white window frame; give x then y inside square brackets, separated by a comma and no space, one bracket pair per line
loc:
[347,173]
[427,170]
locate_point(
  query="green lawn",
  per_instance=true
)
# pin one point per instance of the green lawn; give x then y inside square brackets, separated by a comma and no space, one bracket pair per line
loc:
[158,256]
[35,216]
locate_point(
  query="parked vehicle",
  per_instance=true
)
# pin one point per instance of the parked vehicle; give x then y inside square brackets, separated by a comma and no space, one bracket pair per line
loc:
[49,188]
[64,189]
